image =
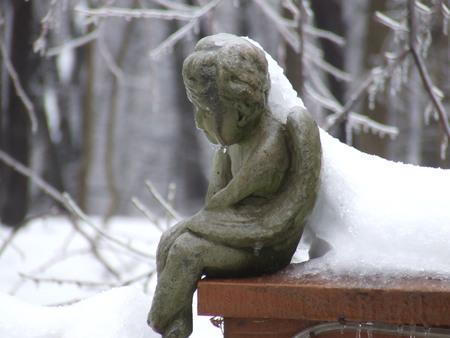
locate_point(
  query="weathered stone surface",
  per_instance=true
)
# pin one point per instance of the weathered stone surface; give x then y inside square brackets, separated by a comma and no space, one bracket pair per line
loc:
[263,186]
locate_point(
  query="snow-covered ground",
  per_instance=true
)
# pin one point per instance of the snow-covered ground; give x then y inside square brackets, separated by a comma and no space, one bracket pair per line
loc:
[49,262]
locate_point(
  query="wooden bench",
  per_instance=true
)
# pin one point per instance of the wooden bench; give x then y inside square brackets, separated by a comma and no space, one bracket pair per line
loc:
[283,304]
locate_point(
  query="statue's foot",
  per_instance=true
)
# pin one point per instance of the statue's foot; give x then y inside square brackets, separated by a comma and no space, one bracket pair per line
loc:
[181,326]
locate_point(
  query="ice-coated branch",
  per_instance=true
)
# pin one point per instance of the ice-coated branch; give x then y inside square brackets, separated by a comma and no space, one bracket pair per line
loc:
[358,121]
[323,34]
[391,23]
[163,14]
[311,55]
[423,71]
[40,44]
[75,43]
[283,25]
[109,60]
[172,39]
[362,90]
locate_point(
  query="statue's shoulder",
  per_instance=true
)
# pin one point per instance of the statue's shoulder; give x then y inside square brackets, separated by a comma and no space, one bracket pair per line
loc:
[304,135]
[300,118]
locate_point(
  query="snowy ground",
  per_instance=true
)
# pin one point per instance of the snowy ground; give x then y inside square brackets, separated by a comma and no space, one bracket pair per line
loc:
[50,263]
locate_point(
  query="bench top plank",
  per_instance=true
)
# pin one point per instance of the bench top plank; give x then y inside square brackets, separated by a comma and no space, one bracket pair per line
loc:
[295,294]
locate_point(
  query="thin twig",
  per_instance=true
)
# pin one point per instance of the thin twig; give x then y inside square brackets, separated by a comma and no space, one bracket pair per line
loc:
[141,207]
[95,251]
[138,278]
[74,43]
[40,44]
[162,201]
[75,209]
[172,39]
[68,281]
[9,240]
[81,283]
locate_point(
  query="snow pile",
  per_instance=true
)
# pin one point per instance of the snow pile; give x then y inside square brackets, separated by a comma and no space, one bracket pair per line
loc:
[59,257]
[119,312]
[376,215]
[380,216]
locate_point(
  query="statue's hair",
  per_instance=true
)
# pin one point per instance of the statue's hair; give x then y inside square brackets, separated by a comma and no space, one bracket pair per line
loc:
[240,67]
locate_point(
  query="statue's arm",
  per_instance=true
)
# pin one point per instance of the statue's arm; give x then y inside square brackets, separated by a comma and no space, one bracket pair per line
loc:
[221,174]
[261,175]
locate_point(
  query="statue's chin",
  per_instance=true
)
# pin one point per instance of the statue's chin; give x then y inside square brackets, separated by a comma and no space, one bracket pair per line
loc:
[211,138]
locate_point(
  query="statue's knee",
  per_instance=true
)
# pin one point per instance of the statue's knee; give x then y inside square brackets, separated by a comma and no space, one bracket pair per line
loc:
[182,246]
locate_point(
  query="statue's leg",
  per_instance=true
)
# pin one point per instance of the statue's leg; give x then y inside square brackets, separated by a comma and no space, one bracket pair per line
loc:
[188,256]
[165,243]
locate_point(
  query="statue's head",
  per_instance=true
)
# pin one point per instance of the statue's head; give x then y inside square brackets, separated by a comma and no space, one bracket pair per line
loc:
[227,80]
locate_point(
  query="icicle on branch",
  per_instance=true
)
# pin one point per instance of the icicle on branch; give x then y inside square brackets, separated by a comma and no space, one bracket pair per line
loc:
[424,74]
[355,121]
[363,89]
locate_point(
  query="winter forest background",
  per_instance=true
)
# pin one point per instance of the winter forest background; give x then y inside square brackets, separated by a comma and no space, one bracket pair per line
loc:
[94,111]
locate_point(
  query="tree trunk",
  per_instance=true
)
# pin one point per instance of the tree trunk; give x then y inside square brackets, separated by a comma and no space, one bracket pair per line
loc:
[14,120]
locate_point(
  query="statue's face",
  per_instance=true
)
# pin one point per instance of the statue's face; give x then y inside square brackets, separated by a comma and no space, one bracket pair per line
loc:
[222,118]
